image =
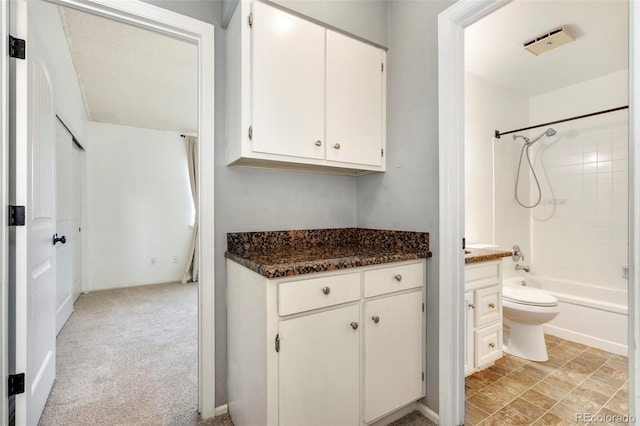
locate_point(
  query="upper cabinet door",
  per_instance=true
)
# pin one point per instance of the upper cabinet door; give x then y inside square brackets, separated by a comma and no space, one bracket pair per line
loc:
[354,101]
[288,84]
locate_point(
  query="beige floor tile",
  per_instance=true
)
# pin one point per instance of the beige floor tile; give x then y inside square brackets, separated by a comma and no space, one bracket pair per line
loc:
[539,399]
[578,346]
[551,419]
[554,388]
[527,408]
[518,382]
[489,376]
[610,376]
[511,362]
[598,352]
[537,371]
[597,386]
[499,393]
[569,376]
[565,411]
[619,403]
[585,400]
[619,363]
[473,415]
[507,416]
[486,403]
[611,417]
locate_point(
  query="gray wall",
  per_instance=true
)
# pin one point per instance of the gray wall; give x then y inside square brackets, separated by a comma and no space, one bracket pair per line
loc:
[366,19]
[406,196]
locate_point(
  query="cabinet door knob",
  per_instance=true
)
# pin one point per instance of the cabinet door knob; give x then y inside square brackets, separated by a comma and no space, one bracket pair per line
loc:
[492,305]
[398,277]
[318,143]
[337,146]
[326,290]
[472,306]
[354,325]
[375,319]
[492,345]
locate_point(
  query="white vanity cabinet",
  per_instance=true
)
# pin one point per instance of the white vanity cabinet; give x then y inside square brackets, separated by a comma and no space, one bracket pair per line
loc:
[483,310]
[331,348]
[300,96]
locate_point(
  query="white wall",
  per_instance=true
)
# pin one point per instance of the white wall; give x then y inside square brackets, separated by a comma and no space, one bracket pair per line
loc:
[585,169]
[139,206]
[491,213]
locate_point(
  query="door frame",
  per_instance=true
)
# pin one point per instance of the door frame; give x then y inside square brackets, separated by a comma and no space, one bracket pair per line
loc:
[4,202]
[451,26]
[201,34]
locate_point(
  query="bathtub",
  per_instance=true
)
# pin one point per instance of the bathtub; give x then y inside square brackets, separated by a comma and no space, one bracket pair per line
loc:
[591,315]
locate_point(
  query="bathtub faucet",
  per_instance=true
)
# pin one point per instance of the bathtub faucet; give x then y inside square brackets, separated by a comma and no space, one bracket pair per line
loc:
[525,268]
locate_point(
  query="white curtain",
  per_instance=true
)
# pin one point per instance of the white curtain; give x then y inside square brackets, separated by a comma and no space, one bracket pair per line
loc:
[191,268]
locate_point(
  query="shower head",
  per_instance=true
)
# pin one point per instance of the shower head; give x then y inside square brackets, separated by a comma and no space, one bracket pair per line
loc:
[548,133]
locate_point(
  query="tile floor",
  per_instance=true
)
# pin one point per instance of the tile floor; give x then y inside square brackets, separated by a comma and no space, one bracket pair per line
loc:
[576,379]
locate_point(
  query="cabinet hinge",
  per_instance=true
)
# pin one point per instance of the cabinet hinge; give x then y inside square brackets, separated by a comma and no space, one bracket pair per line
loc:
[423,376]
[16,216]
[250,133]
[382,66]
[277,343]
[381,152]
[17,48]
[250,19]
[16,384]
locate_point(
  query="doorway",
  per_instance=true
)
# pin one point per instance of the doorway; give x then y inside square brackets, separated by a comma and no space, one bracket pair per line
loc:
[201,35]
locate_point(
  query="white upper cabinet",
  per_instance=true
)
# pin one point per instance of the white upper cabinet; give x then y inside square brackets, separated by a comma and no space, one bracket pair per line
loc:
[302,97]
[288,84]
[354,101]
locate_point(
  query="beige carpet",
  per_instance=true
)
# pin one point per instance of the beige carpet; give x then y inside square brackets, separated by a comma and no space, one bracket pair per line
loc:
[128,357]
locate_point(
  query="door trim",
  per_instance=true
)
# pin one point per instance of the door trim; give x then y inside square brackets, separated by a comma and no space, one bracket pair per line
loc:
[201,34]
[4,202]
[451,25]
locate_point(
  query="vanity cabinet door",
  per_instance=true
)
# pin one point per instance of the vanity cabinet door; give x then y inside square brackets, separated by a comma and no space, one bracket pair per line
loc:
[288,70]
[319,368]
[392,353]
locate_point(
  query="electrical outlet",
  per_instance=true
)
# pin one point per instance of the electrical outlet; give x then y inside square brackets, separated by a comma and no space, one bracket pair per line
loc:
[174,259]
[153,261]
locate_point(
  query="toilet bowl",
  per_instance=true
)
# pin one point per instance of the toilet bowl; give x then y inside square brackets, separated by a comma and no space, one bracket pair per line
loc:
[525,310]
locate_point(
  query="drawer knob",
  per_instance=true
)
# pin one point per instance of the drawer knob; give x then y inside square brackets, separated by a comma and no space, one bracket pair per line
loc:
[337,146]
[318,143]
[472,306]
[492,345]
[398,277]
[375,319]
[492,305]
[354,325]
[326,290]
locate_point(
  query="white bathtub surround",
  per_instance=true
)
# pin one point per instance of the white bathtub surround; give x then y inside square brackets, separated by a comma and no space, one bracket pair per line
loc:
[597,317]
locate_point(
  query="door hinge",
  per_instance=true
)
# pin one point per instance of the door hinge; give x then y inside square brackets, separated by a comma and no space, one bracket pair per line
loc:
[423,307]
[423,376]
[382,66]
[250,132]
[250,19]
[464,243]
[17,48]
[16,384]
[16,216]
[277,343]
[381,152]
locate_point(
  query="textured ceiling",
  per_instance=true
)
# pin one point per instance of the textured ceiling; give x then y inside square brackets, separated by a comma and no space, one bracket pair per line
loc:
[131,76]
[494,44]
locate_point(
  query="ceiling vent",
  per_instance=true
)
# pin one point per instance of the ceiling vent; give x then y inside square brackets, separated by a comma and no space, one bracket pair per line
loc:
[550,40]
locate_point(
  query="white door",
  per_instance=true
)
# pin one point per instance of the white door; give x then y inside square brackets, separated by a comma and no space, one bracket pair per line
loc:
[319,369]
[64,248]
[288,84]
[33,260]
[392,353]
[354,101]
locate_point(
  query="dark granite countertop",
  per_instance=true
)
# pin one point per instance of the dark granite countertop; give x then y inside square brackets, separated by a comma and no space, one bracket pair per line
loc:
[277,254]
[484,255]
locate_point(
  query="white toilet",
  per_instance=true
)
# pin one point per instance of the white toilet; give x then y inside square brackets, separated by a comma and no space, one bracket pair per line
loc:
[525,310]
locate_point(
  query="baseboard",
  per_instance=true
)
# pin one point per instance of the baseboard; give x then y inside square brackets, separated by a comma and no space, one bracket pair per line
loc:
[428,412]
[221,409]
[130,285]
[595,342]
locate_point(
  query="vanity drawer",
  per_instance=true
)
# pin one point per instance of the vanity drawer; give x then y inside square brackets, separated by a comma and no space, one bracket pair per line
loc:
[393,278]
[488,305]
[482,274]
[305,295]
[488,344]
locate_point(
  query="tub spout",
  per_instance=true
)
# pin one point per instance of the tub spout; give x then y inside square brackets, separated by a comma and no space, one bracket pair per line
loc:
[525,268]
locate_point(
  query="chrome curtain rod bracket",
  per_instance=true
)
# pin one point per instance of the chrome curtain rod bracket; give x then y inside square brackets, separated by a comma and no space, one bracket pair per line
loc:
[498,133]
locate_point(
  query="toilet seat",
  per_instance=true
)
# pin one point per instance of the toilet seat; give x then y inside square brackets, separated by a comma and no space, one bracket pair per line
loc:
[528,296]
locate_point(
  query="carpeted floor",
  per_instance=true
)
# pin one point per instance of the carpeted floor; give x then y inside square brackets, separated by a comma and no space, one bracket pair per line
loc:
[128,357]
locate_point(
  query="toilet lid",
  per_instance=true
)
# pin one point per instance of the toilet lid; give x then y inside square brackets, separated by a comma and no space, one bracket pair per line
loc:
[528,296]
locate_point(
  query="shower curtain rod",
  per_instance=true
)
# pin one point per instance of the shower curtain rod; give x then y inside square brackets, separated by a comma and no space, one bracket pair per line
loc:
[498,134]
[73,137]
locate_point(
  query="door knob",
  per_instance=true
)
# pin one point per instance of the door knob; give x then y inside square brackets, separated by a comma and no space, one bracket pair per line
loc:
[57,239]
